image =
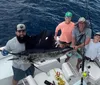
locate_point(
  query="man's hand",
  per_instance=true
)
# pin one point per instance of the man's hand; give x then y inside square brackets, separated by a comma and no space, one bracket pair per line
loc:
[4,52]
[55,37]
[76,47]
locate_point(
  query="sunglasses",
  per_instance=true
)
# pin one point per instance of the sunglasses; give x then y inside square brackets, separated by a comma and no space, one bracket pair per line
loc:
[20,31]
[67,17]
[81,23]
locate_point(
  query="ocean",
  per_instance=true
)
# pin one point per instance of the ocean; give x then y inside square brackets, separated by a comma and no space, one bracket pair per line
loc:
[38,15]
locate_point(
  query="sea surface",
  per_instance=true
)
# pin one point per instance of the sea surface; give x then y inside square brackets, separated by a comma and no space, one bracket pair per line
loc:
[38,15]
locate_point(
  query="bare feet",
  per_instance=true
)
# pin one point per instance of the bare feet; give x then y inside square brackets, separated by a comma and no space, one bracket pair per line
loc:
[66,60]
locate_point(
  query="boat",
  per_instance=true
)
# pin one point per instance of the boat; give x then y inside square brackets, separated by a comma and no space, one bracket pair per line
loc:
[47,71]
[49,67]
[52,72]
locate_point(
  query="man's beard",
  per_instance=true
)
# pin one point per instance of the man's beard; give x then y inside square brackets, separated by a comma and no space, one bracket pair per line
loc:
[21,39]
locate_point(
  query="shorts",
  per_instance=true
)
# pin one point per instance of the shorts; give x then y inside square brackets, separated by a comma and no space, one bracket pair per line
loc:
[65,43]
[20,74]
[74,54]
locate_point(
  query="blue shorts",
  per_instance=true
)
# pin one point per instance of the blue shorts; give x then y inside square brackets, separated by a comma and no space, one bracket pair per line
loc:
[20,74]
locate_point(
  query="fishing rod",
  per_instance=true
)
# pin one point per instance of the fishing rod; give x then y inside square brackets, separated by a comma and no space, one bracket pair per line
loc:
[83,49]
[83,59]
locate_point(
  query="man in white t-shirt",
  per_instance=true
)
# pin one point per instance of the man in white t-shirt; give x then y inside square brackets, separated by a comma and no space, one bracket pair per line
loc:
[17,45]
[93,48]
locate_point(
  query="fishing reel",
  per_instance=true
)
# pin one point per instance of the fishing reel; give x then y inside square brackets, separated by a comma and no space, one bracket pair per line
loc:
[59,79]
[85,74]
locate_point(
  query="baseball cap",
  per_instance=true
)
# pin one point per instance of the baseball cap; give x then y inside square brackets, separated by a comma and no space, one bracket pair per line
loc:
[82,19]
[21,27]
[68,14]
[97,33]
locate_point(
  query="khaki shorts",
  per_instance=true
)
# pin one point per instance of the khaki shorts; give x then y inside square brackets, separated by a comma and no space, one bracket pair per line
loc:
[64,43]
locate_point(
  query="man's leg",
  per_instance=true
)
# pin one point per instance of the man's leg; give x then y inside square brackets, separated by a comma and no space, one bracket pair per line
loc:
[67,59]
[65,45]
[62,46]
[69,55]
[18,75]
[30,70]
[78,63]
[14,82]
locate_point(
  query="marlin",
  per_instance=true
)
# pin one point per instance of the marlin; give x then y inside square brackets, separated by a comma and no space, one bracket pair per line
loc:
[37,55]
[45,49]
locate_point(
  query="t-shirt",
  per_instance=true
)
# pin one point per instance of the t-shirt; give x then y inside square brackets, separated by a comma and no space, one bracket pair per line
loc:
[86,34]
[15,47]
[66,31]
[92,50]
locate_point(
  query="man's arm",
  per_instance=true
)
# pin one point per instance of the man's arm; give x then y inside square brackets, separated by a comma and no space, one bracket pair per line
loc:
[5,51]
[56,31]
[84,43]
[73,41]
[88,38]
[98,53]
[55,35]
[73,38]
